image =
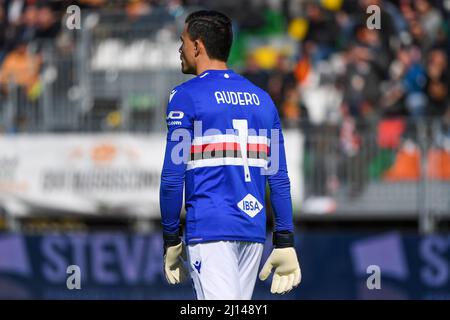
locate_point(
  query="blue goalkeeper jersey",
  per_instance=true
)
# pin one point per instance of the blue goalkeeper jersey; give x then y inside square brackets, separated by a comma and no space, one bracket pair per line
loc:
[224,144]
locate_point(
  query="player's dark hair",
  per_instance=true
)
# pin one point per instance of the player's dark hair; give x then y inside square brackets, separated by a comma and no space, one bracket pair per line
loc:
[214,29]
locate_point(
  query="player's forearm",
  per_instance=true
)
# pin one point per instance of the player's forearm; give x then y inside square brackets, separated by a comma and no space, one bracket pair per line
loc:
[171,193]
[171,201]
[280,197]
[280,192]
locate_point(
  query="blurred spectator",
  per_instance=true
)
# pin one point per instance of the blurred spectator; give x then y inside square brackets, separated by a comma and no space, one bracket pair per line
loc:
[291,110]
[405,92]
[379,55]
[321,32]
[28,29]
[438,82]
[361,83]
[20,67]
[254,73]
[418,35]
[48,26]
[281,80]
[430,20]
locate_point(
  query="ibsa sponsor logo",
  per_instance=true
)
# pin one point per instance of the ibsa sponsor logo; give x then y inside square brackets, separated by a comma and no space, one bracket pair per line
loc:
[250,205]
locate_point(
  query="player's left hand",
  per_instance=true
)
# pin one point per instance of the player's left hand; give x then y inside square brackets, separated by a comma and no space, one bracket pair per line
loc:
[287,273]
[174,264]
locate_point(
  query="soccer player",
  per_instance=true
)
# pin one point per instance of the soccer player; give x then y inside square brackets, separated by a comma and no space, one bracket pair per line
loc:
[222,132]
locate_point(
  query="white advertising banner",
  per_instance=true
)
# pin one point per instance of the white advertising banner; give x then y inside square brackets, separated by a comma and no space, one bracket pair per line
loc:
[81,173]
[95,174]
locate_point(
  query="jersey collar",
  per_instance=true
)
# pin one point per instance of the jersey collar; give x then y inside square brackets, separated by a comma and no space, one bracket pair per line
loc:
[212,71]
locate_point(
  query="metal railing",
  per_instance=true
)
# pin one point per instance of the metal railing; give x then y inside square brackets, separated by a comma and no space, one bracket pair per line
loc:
[363,171]
[117,77]
[130,69]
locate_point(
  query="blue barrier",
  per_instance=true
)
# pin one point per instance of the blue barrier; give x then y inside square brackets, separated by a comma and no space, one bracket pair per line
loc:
[129,266]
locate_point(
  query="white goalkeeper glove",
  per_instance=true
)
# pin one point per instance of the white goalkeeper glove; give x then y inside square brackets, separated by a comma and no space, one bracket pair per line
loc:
[174,260]
[287,274]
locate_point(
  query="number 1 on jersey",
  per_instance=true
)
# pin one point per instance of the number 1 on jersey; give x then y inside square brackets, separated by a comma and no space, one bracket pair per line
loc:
[241,125]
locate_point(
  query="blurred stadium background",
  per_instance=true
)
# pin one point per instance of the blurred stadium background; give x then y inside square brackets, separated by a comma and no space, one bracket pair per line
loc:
[365,112]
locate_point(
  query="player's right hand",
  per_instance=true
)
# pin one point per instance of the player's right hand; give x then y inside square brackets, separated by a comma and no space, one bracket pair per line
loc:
[287,273]
[174,264]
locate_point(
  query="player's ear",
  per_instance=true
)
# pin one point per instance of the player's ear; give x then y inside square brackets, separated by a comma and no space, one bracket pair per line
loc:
[196,48]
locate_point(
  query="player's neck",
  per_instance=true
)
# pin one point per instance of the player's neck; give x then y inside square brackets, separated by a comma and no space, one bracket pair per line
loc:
[211,65]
